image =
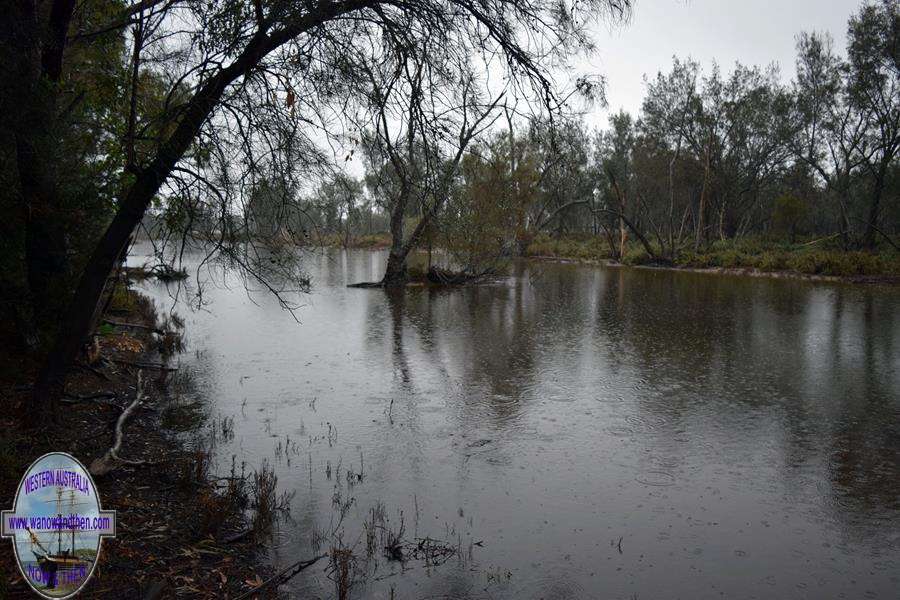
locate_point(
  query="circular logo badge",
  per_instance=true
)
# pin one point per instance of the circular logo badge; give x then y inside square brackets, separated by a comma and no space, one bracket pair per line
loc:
[57,525]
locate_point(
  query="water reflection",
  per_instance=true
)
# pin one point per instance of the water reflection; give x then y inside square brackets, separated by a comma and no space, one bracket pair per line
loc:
[607,433]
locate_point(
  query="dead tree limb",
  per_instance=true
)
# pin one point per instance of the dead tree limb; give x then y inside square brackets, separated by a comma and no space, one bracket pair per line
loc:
[282,576]
[640,236]
[111,460]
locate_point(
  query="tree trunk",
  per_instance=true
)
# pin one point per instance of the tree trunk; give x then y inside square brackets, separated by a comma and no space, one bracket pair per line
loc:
[875,207]
[346,240]
[610,240]
[844,201]
[76,322]
[46,258]
[395,273]
[671,253]
[31,110]
[701,216]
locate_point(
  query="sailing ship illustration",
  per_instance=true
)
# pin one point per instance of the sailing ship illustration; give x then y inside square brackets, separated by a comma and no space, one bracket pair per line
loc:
[64,559]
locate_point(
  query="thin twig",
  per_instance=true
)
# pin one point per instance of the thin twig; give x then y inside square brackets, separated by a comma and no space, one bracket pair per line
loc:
[282,576]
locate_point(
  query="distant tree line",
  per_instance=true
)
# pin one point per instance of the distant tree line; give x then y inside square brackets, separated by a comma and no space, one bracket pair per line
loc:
[711,156]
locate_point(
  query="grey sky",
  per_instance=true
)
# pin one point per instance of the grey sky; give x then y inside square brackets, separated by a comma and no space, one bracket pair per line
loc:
[752,32]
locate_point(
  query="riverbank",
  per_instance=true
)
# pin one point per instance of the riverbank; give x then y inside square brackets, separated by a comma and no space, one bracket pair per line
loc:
[808,260]
[182,529]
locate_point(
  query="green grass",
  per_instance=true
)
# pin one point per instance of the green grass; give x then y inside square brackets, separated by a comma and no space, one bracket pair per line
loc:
[797,259]
[764,254]
[587,248]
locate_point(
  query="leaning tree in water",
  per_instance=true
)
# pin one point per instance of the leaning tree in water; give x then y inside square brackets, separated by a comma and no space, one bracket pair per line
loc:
[421,125]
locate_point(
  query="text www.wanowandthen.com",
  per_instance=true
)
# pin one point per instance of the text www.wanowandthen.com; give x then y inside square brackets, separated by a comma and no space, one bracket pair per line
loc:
[57,523]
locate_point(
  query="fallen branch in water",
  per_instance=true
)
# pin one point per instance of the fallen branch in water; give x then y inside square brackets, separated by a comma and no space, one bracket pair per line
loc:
[111,460]
[440,276]
[282,576]
[366,285]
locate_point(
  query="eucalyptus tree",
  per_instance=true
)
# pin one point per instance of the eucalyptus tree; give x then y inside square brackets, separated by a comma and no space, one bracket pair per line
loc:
[614,159]
[665,127]
[874,89]
[337,202]
[269,214]
[566,178]
[830,130]
[478,226]
[755,148]
[545,176]
[252,87]
[421,126]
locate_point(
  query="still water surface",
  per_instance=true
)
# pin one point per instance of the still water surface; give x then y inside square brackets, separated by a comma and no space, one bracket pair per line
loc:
[604,433]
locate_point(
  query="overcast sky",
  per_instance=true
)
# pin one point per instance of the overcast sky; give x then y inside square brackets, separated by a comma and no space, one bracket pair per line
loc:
[750,31]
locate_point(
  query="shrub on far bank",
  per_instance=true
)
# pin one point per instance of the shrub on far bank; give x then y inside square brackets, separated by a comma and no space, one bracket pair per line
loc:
[797,259]
[589,248]
[824,257]
[846,264]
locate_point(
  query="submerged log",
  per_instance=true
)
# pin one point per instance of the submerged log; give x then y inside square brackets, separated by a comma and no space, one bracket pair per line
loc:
[366,285]
[434,276]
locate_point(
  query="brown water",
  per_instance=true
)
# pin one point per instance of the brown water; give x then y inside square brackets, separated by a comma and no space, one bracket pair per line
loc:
[606,433]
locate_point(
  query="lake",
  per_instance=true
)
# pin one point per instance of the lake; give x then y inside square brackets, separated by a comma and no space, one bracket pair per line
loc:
[567,431]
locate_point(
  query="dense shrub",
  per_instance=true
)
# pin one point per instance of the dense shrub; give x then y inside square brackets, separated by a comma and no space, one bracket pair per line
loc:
[765,254]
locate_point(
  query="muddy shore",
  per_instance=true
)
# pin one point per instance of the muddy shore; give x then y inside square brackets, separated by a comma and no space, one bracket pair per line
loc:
[182,530]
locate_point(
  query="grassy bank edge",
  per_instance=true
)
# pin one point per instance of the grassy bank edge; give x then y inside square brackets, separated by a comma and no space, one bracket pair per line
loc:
[813,260]
[805,259]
